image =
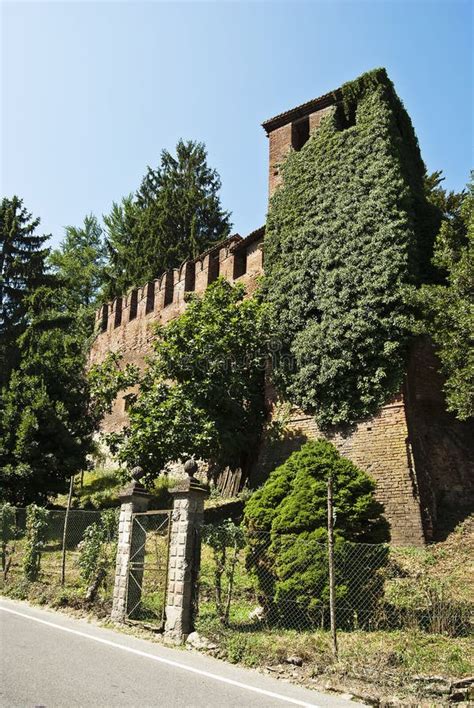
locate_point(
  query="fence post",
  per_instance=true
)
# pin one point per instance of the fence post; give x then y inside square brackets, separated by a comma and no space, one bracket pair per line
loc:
[133,498]
[332,599]
[66,519]
[184,555]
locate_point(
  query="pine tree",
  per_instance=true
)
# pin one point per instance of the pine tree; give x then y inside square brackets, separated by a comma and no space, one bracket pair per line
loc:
[79,262]
[175,215]
[22,269]
[45,427]
[124,256]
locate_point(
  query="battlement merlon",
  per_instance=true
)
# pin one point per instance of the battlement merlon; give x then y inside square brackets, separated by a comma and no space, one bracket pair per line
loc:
[119,323]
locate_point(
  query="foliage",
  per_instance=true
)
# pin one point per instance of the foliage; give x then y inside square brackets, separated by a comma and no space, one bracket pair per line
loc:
[22,268]
[79,263]
[8,534]
[124,258]
[349,233]
[107,380]
[286,521]
[96,553]
[175,215]
[202,394]
[222,538]
[45,429]
[447,307]
[36,527]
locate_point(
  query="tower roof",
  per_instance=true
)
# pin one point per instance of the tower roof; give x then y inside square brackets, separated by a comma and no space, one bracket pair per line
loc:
[328,99]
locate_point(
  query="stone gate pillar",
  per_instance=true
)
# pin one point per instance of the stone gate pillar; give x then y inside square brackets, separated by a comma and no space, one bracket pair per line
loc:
[184,554]
[133,498]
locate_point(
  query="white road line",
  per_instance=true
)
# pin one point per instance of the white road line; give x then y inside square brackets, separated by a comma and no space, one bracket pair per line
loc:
[161,660]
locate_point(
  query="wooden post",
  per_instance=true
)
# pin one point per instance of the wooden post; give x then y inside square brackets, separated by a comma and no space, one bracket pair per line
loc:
[332,600]
[63,564]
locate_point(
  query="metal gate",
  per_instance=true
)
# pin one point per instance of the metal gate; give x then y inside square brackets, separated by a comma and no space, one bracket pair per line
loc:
[148,571]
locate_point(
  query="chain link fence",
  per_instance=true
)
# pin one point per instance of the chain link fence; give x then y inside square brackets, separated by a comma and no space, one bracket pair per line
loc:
[262,581]
[64,555]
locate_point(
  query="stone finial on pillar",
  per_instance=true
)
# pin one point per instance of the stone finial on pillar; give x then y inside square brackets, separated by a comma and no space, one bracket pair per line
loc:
[184,554]
[134,498]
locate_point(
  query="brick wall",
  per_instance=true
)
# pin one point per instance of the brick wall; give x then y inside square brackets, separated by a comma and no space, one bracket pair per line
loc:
[281,140]
[380,446]
[126,324]
[443,447]
[421,458]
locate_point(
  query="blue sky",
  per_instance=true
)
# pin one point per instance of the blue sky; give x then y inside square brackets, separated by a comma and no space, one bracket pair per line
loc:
[91,92]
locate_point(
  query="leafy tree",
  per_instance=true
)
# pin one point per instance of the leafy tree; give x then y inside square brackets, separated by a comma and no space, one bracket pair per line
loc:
[202,394]
[448,306]
[349,233]
[45,426]
[175,215]
[286,522]
[79,263]
[22,269]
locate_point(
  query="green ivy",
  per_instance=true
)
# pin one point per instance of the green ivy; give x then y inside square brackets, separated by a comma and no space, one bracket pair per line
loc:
[36,528]
[349,236]
[8,534]
[96,551]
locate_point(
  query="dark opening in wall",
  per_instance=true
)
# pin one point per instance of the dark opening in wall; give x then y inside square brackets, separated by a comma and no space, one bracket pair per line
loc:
[213,271]
[240,263]
[118,312]
[150,297]
[133,304]
[105,318]
[169,282]
[346,118]
[299,133]
[190,277]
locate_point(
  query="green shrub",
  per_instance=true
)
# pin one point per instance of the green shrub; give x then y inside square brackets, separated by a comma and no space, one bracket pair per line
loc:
[36,530]
[96,554]
[286,520]
[8,533]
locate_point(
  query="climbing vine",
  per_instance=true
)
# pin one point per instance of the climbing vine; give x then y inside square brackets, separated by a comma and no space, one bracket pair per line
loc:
[36,528]
[97,551]
[349,236]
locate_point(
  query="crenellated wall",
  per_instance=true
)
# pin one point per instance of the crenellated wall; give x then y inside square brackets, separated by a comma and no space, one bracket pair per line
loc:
[126,324]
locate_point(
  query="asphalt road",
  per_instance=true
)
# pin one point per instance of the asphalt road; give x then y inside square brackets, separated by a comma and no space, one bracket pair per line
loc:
[49,659]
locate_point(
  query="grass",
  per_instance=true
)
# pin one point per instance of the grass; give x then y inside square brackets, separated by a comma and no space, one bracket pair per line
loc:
[408,652]
[425,590]
[101,490]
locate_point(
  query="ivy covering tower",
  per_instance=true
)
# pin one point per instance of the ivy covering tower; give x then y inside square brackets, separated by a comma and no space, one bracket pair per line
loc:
[349,236]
